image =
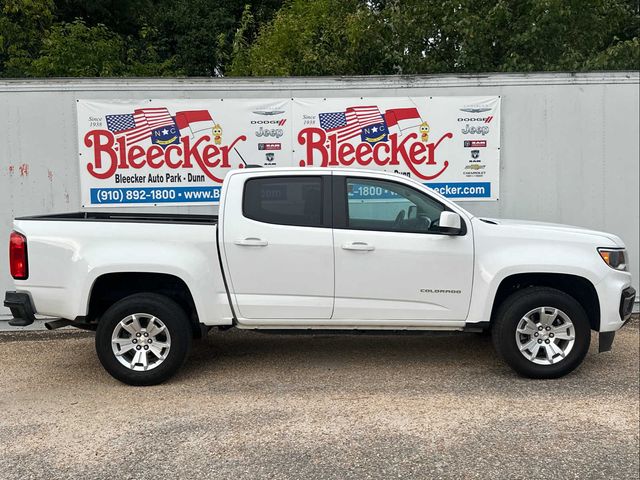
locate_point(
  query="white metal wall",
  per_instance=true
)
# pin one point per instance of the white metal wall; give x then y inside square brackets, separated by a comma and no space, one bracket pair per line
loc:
[570,147]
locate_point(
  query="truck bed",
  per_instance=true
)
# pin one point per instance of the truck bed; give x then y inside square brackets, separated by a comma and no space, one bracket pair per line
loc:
[121,217]
[71,254]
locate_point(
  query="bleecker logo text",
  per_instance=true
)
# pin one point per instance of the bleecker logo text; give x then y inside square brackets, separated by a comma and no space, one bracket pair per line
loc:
[414,154]
[110,155]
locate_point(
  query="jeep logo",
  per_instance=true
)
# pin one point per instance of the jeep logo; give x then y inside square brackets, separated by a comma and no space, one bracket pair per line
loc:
[472,130]
[269,132]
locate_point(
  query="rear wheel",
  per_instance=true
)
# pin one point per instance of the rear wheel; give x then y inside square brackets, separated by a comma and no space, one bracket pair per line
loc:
[542,332]
[143,339]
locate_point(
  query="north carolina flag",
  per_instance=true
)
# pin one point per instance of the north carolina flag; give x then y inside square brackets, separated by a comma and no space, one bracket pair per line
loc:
[194,120]
[402,118]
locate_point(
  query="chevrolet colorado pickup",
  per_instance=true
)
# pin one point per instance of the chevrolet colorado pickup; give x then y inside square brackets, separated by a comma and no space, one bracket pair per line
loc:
[319,249]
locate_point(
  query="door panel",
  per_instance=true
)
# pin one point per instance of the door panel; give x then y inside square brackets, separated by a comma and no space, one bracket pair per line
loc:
[409,271]
[280,261]
[401,276]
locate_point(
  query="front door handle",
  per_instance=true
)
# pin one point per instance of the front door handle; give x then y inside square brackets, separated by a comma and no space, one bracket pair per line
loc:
[361,246]
[251,242]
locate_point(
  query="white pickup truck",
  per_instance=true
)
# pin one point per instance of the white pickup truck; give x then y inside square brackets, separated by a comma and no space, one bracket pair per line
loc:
[319,249]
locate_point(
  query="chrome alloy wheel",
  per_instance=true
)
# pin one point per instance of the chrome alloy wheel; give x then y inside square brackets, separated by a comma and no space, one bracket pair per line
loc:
[545,335]
[140,342]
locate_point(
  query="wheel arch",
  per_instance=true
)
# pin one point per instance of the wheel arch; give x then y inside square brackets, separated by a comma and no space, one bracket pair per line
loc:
[109,288]
[576,286]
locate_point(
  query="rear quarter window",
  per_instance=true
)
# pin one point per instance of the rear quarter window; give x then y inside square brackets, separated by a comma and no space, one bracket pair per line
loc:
[284,200]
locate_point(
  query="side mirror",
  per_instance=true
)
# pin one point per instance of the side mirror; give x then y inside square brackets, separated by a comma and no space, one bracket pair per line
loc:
[449,223]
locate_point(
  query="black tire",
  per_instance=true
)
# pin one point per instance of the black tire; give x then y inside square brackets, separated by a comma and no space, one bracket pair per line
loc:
[175,321]
[519,304]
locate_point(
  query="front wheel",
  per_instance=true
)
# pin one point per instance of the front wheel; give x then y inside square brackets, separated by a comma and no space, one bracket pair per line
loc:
[143,339]
[541,332]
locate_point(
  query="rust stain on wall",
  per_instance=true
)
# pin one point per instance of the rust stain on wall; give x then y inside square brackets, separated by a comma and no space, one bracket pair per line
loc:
[24,170]
[11,169]
[50,175]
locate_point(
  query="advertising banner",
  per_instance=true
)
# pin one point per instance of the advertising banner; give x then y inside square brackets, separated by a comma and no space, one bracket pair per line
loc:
[177,152]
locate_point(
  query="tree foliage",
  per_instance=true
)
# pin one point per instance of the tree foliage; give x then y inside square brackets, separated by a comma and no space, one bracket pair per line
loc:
[418,36]
[43,38]
[22,24]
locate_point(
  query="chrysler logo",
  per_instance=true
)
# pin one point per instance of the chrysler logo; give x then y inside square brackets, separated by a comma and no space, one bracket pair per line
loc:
[475,109]
[268,112]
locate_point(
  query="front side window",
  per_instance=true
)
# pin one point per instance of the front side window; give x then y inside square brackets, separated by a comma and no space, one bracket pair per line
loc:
[390,207]
[284,200]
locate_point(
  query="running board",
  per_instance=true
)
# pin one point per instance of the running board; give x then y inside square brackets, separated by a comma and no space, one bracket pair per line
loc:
[349,331]
[63,322]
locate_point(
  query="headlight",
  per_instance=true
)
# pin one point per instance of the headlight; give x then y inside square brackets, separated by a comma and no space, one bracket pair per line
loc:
[614,257]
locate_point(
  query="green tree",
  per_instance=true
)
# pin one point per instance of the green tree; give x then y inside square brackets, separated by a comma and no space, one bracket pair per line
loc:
[324,37]
[74,49]
[23,24]
[200,33]
[124,17]
[123,38]
[77,50]
[314,37]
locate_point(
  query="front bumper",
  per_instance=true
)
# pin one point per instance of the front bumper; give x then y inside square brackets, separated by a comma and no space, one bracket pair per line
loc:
[626,303]
[21,308]
[627,298]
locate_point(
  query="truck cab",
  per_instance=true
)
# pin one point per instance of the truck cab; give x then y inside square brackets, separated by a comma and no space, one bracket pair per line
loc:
[338,249]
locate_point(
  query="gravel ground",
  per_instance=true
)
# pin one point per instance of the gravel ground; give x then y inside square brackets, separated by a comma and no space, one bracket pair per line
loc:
[250,405]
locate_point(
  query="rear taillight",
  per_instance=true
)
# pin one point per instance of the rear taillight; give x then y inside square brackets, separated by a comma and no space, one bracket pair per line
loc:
[18,256]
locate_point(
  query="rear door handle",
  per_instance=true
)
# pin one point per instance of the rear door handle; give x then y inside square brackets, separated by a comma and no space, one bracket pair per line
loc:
[251,242]
[362,246]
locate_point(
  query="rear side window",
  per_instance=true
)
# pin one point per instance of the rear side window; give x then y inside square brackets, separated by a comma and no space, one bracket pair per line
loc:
[284,200]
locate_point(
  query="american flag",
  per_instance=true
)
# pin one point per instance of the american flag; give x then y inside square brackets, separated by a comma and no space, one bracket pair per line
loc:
[138,126]
[350,123]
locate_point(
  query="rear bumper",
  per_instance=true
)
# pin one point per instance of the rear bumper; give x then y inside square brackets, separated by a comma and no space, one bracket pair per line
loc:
[21,308]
